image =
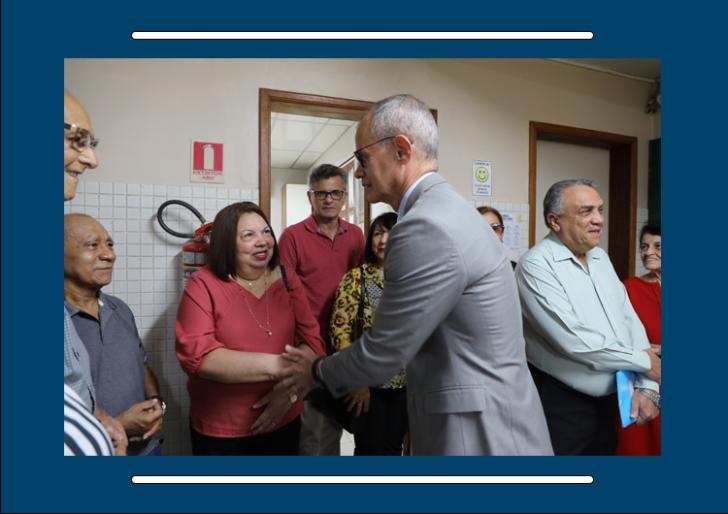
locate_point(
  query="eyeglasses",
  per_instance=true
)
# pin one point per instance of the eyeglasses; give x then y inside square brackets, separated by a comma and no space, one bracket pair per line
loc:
[81,139]
[336,194]
[497,228]
[363,158]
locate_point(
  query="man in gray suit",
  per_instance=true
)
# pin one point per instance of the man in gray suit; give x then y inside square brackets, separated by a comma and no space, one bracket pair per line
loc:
[449,312]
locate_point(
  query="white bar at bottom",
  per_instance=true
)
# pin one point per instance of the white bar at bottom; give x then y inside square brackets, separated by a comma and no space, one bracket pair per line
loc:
[362,479]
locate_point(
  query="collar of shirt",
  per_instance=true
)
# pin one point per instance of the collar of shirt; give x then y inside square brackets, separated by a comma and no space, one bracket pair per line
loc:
[403,202]
[312,226]
[561,252]
[104,301]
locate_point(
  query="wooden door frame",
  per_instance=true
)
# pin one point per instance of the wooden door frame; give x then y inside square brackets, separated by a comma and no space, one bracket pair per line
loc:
[297,103]
[307,105]
[622,172]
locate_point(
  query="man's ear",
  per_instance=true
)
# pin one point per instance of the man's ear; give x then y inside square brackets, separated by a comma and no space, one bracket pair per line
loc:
[553,221]
[403,147]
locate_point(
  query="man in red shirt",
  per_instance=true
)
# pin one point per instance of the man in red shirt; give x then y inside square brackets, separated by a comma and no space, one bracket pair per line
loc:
[321,249]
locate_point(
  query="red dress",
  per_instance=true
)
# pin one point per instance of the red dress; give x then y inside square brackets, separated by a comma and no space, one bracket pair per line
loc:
[214,314]
[645,297]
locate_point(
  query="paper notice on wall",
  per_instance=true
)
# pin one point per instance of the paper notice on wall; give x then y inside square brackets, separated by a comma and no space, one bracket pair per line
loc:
[512,221]
[207,162]
[482,178]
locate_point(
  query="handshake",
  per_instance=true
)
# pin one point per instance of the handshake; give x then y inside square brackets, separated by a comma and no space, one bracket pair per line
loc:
[292,370]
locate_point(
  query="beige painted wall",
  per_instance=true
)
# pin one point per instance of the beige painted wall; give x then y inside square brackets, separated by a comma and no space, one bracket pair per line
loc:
[146,111]
[279,178]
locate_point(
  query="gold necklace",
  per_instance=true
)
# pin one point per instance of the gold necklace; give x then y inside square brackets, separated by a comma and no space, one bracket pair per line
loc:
[265,328]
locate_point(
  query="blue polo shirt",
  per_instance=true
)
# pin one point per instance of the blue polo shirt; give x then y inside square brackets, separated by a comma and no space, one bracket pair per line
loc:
[116,355]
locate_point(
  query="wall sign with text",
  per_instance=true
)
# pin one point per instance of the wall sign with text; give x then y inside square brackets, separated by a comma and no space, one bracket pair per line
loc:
[207,162]
[482,178]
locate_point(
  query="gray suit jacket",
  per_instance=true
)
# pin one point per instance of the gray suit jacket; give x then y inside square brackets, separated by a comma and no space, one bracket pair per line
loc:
[450,316]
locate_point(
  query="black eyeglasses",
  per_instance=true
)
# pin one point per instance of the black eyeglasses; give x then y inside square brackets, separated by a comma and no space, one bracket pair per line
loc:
[361,158]
[336,194]
[497,228]
[81,138]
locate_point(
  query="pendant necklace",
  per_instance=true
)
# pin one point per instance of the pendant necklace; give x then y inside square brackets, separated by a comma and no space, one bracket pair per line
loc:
[265,328]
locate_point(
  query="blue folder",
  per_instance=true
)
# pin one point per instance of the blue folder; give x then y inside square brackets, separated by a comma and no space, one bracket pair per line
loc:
[625,390]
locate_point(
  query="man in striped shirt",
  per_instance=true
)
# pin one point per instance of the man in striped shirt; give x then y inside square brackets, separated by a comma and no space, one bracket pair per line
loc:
[83,434]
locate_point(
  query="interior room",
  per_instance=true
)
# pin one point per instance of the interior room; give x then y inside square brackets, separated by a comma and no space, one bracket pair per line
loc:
[533,121]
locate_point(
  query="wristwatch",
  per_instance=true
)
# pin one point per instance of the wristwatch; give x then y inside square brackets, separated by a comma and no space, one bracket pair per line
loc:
[161,402]
[652,395]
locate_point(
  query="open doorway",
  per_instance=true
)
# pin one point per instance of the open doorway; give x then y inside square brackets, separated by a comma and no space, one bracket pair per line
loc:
[297,133]
[622,189]
[320,112]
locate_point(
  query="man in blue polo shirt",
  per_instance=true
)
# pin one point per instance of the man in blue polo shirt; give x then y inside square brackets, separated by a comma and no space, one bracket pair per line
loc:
[125,385]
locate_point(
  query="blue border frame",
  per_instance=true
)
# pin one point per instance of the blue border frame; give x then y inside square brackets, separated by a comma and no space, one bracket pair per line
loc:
[36,39]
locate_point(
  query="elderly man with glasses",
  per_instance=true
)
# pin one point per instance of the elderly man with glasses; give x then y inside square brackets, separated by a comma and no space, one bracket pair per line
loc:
[449,311]
[79,154]
[320,250]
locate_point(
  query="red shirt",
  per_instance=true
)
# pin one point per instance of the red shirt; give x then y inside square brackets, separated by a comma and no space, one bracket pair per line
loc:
[321,262]
[214,314]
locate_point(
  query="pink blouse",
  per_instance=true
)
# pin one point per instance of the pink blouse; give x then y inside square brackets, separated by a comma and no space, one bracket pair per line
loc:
[214,314]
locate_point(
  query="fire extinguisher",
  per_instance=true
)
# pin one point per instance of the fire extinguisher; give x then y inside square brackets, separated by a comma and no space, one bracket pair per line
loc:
[194,251]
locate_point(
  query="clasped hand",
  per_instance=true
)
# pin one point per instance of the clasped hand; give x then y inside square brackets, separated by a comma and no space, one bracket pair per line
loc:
[142,420]
[643,409]
[295,381]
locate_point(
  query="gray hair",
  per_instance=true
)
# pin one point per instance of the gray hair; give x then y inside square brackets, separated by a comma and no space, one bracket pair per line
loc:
[325,171]
[553,202]
[405,114]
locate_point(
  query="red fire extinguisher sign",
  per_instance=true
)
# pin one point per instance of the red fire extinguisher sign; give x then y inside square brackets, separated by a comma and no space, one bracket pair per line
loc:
[206,162]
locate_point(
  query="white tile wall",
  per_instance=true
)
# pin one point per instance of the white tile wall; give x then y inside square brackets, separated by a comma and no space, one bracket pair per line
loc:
[148,272]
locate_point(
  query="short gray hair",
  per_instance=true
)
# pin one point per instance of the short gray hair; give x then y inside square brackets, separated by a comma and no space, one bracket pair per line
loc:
[553,202]
[405,114]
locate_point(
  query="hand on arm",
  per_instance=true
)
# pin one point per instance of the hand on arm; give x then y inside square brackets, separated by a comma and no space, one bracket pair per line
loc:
[115,430]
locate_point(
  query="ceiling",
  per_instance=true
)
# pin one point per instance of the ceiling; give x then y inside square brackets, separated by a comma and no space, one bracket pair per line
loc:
[298,141]
[641,69]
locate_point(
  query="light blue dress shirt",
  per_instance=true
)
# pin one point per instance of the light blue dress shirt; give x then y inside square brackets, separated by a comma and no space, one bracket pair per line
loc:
[579,324]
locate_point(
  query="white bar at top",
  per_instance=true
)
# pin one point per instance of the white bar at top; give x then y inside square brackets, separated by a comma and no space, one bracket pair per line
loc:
[357,479]
[368,35]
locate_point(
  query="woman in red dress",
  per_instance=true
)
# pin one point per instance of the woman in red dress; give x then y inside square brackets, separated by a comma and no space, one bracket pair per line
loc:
[644,293]
[236,316]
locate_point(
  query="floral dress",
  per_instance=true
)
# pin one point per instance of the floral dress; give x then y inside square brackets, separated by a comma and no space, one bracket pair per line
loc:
[346,305]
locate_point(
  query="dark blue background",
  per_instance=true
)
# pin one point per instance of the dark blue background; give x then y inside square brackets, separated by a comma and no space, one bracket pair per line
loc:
[688,477]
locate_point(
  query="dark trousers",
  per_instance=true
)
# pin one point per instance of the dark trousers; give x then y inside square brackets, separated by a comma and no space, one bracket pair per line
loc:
[283,441]
[381,430]
[579,424]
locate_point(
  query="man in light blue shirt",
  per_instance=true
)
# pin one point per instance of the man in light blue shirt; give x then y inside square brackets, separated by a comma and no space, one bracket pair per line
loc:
[580,327]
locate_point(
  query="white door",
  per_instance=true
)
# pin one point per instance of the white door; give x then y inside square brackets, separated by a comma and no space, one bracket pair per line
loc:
[560,161]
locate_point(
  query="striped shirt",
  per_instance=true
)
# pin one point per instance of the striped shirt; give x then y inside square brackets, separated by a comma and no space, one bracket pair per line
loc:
[83,434]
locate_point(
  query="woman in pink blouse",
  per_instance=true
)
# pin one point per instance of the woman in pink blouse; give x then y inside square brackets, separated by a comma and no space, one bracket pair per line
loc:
[234,320]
